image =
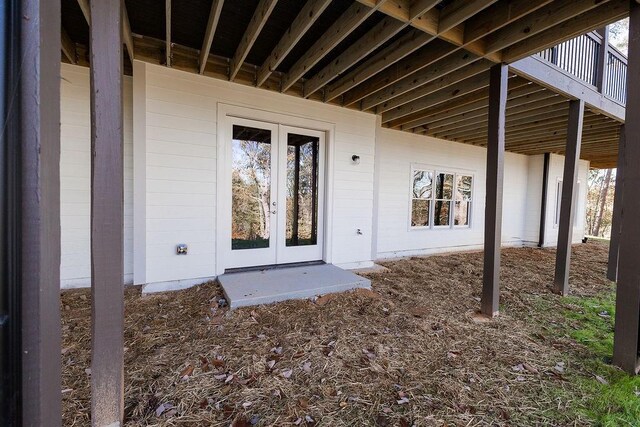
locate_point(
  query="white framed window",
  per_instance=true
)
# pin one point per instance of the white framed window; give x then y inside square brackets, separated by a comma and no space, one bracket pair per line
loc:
[440,199]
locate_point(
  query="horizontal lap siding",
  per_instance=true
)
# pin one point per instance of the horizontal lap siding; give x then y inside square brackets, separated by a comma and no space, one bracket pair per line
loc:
[75,177]
[398,151]
[181,183]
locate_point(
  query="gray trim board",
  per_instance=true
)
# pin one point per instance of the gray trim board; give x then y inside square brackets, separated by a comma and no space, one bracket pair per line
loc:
[552,77]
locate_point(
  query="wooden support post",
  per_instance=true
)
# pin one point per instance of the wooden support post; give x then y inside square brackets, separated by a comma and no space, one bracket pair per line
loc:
[495,176]
[627,326]
[603,57]
[569,196]
[543,203]
[107,296]
[36,207]
[614,244]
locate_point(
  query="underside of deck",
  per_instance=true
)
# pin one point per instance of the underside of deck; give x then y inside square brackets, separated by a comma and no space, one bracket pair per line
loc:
[421,64]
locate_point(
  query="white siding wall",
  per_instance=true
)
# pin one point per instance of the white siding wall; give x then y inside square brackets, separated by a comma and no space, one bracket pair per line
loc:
[397,151]
[181,138]
[176,168]
[75,177]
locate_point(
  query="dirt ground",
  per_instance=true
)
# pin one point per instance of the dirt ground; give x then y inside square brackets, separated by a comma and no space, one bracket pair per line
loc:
[409,353]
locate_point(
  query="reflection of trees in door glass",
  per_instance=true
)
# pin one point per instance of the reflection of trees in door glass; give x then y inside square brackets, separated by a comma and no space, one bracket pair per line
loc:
[302,190]
[251,187]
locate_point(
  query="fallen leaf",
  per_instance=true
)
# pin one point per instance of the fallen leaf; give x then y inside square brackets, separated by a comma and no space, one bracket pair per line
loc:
[403,401]
[245,405]
[530,368]
[271,363]
[601,380]
[418,311]
[307,367]
[303,403]
[287,373]
[186,372]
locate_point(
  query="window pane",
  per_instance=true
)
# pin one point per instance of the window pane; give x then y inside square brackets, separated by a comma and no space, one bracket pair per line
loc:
[444,186]
[251,188]
[422,184]
[441,213]
[420,213]
[462,213]
[302,190]
[463,187]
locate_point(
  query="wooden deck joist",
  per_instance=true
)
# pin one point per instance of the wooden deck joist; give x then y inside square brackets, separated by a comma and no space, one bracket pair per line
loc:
[419,63]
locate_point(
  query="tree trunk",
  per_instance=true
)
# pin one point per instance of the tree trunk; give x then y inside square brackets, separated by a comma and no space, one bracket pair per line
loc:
[603,201]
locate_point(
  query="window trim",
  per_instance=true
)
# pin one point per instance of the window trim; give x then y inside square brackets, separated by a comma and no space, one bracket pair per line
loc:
[556,219]
[435,170]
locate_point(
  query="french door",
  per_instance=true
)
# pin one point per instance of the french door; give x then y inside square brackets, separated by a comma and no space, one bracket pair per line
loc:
[276,178]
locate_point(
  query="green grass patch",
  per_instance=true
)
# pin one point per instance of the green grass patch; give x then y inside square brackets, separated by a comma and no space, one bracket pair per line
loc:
[614,399]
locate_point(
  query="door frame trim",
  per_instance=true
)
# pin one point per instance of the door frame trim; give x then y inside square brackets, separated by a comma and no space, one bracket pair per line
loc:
[227,112]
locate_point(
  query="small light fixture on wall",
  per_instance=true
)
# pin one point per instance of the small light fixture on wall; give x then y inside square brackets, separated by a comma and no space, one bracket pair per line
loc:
[182,249]
[355,159]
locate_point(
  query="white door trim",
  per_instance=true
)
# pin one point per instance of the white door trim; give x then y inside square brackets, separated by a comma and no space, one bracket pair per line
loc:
[223,185]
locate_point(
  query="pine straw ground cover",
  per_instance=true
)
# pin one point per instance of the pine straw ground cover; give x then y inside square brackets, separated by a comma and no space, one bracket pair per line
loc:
[409,353]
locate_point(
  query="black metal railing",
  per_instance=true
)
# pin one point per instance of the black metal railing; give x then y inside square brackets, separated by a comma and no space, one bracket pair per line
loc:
[580,57]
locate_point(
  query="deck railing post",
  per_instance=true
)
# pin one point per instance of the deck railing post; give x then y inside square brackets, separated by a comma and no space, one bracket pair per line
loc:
[495,175]
[601,60]
[569,196]
[614,244]
[106,214]
[627,326]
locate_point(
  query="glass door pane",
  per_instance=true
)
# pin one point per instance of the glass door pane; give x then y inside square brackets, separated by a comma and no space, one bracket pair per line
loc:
[302,190]
[251,188]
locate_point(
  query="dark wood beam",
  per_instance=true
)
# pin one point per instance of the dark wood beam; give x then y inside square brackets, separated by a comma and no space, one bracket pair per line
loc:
[107,274]
[209,33]
[33,141]
[627,323]
[569,196]
[167,27]
[489,303]
[309,14]
[68,47]
[614,243]
[341,28]
[259,18]
[377,36]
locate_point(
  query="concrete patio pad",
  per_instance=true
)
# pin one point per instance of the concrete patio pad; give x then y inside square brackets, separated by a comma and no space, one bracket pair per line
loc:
[247,288]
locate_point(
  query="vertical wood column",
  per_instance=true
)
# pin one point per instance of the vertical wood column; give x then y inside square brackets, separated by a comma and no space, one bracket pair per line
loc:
[627,326]
[495,176]
[614,244]
[569,196]
[542,232]
[107,275]
[39,213]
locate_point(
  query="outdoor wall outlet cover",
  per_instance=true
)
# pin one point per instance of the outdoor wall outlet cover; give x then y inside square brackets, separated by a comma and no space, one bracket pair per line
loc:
[356,159]
[182,249]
